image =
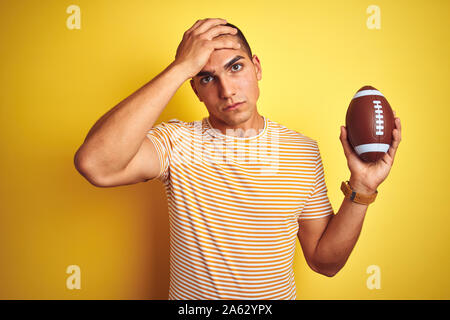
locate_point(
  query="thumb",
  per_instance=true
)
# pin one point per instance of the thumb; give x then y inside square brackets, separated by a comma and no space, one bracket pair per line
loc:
[348,150]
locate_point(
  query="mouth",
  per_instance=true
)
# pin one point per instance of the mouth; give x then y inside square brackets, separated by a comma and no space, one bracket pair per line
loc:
[233,106]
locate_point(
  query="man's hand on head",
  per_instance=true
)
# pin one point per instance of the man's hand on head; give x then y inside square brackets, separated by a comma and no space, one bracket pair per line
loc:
[200,41]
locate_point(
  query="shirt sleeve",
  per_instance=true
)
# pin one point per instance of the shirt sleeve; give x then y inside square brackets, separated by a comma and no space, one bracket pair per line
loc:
[318,204]
[164,137]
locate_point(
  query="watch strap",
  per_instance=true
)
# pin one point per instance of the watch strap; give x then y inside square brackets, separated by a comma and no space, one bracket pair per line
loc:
[357,197]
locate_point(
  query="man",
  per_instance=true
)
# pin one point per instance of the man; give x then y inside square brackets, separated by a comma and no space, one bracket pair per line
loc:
[240,187]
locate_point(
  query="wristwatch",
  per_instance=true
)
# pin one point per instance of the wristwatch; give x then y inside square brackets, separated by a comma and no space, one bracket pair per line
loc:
[357,197]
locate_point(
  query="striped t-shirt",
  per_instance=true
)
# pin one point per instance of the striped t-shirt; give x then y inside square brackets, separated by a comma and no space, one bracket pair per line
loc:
[234,205]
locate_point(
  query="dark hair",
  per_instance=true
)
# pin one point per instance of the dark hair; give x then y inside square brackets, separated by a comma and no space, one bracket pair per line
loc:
[242,39]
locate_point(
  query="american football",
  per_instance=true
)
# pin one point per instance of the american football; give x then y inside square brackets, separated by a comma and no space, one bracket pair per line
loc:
[369,122]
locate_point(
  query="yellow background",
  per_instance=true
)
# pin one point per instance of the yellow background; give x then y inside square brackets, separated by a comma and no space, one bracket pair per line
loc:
[55,83]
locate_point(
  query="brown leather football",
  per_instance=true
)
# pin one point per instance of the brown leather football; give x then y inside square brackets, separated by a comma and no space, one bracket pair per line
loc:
[369,122]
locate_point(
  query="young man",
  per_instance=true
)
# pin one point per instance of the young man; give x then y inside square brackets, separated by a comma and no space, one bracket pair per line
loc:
[240,187]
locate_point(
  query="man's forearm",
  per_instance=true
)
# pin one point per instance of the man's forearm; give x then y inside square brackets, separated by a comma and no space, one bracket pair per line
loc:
[116,137]
[340,235]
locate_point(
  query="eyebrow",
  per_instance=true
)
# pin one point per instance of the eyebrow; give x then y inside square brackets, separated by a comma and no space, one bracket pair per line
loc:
[226,66]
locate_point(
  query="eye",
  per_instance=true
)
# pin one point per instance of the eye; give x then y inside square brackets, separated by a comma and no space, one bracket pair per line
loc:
[202,80]
[237,64]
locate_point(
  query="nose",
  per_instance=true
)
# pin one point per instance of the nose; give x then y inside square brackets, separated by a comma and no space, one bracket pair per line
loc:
[227,88]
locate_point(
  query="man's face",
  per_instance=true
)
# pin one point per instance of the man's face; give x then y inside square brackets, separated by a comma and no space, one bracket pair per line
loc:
[233,78]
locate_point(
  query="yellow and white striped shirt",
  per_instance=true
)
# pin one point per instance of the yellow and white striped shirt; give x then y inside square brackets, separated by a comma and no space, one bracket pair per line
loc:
[234,205]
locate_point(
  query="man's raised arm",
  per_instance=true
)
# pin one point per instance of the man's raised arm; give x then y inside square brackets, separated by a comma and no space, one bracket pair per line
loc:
[117,137]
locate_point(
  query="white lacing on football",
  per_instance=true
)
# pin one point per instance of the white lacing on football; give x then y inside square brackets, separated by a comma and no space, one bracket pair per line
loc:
[379,127]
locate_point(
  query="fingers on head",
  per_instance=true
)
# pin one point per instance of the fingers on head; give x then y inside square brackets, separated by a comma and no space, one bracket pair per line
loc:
[206,24]
[218,31]
[225,43]
[195,25]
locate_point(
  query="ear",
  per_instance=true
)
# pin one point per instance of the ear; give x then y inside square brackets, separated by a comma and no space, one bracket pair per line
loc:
[193,88]
[257,65]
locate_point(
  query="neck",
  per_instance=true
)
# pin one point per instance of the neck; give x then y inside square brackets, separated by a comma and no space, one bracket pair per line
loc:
[252,127]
